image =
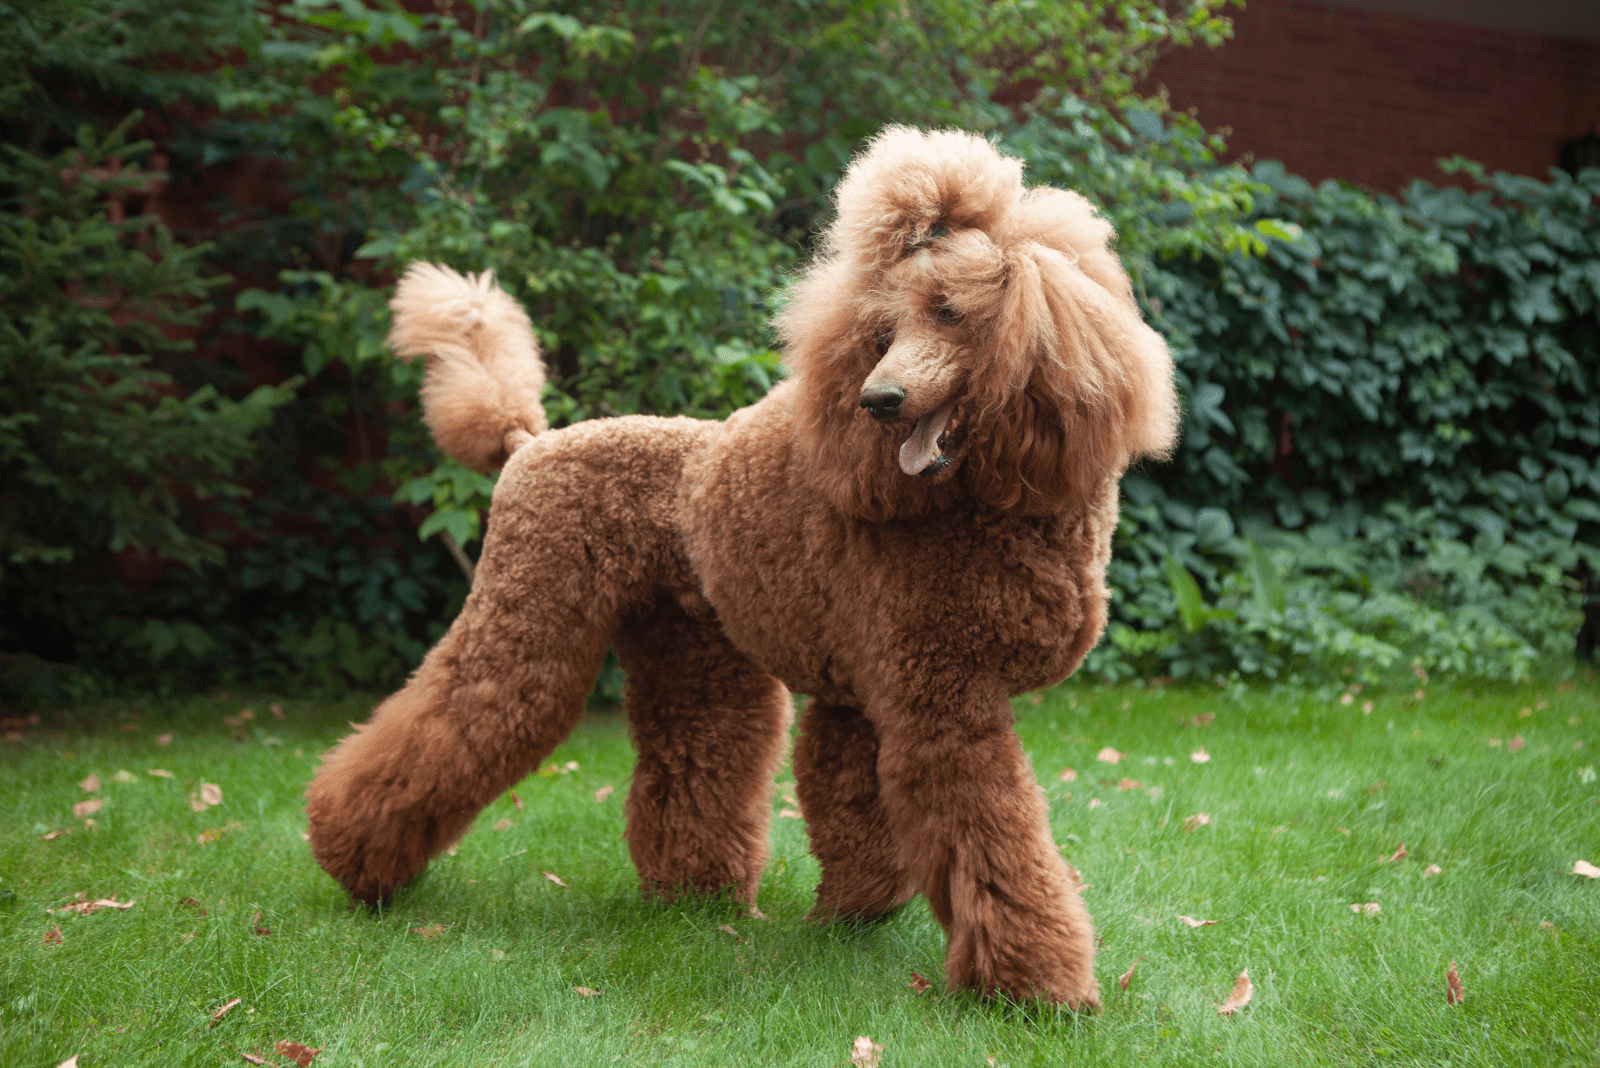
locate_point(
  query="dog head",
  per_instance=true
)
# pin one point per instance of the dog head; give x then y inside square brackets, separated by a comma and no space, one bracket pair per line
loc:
[962,337]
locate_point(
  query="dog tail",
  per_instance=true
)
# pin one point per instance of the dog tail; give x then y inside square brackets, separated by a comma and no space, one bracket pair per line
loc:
[480,397]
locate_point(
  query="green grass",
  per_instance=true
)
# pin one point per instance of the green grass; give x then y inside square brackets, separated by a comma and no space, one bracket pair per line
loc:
[1297,834]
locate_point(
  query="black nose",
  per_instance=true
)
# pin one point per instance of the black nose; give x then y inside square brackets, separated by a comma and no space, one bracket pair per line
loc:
[883,402]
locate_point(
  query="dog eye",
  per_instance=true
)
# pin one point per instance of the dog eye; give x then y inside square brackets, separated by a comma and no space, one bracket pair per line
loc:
[883,339]
[948,315]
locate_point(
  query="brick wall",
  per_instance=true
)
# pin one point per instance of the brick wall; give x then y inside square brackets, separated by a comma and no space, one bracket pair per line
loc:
[1377,98]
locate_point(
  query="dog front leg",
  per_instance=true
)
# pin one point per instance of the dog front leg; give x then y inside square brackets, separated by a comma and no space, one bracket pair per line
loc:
[971,821]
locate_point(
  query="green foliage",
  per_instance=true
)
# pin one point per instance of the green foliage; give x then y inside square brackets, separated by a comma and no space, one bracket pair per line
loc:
[95,442]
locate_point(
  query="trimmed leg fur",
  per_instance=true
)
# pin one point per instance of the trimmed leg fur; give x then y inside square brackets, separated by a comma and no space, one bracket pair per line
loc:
[710,730]
[972,822]
[836,775]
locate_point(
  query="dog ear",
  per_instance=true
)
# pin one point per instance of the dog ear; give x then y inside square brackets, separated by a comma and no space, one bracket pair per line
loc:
[1078,385]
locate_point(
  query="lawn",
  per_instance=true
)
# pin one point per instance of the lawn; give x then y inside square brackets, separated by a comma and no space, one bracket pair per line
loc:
[478,962]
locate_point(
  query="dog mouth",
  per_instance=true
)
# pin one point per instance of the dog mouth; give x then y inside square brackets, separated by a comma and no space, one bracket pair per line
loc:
[934,442]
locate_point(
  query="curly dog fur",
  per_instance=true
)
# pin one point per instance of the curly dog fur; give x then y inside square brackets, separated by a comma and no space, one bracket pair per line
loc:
[913,527]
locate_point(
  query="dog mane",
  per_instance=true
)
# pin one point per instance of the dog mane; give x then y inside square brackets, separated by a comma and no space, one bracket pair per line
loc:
[1072,384]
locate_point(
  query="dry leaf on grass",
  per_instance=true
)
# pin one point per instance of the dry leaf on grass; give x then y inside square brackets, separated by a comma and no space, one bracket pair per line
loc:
[276,709]
[91,784]
[515,800]
[865,1052]
[502,824]
[1454,995]
[1069,775]
[1243,990]
[53,835]
[83,908]
[1128,784]
[789,814]
[1200,756]
[1109,755]
[216,1017]
[191,903]
[1515,745]
[211,793]
[604,792]
[164,739]
[1398,854]
[52,937]
[1431,870]
[1199,819]
[433,930]
[251,1058]
[87,808]
[919,984]
[553,877]
[256,923]
[124,777]
[1369,908]
[1203,719]
[1583,867]
[297,1052]
[1192,922]
[70,1062]
[1127,976]
[588,992]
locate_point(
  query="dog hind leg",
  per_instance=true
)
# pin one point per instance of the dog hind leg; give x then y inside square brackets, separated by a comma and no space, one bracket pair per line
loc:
[710,730]
[836,774]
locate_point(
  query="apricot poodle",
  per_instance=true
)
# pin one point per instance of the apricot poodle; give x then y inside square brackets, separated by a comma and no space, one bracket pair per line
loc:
[911,528]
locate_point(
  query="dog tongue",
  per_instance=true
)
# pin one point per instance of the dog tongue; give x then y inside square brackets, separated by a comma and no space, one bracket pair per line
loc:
[922,447]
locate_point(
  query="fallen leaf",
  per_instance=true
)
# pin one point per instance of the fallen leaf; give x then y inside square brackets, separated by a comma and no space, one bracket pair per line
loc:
[1095,802]
[164,739]
[1068,775]
[252,1058]
[210,834]
[53,835]
[1128,784]
[1583,867]
[90,825]
[191,903]
[1371,908]
[160,773]
[220,1013]
[91,784]
[1431,870]
[1199,819]
[919,984]
[865,1053]
[553,877]
[515,800]
[52,937]
[789,814]
[1109,755]
[87,808]
[1242,992]
[70,1062]
[1200,756]
[260,930]
[1366,708]
[295,1051]
[1347,699]
[502,824]
[83,908]
[1515,745]
[197,805]
[728,929]
[571,765]
[1203,719]
[1127,976]
[1454,995]
[433,930]
[276,709]
[1398,854]
[587,992]
[1192,922]
[604,792]
[211,793]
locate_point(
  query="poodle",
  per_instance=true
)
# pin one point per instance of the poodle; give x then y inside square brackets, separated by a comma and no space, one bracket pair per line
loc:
[909,529]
